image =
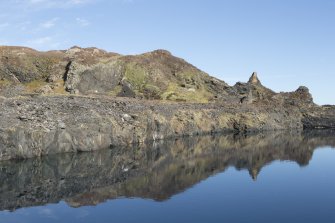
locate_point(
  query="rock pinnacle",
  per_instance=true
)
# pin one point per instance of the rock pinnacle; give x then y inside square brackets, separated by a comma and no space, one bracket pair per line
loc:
[254,79]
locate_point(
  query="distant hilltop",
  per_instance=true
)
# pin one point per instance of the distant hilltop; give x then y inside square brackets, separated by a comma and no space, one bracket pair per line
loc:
[156,75]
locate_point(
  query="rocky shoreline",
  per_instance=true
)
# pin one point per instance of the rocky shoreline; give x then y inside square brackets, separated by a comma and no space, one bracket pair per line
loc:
[88,99]
[39,125]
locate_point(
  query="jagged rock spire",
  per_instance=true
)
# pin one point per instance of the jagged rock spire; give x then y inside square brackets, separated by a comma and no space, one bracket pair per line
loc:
[254,79]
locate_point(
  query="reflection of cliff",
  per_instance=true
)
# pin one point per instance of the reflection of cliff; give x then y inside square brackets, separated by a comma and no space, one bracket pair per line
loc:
[157,172]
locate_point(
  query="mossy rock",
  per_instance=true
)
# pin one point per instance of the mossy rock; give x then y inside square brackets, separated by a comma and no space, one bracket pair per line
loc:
[178,93]
[136,76]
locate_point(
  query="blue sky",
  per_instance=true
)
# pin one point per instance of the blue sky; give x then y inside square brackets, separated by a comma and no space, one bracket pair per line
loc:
[288,42]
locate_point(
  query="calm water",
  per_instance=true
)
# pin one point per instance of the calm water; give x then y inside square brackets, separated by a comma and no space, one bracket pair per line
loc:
[278,177]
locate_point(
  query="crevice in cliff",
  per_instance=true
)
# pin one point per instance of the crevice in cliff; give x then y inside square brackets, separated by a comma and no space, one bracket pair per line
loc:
[67,69]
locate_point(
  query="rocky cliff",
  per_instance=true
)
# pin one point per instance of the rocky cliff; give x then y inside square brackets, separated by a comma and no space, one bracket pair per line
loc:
[89,99]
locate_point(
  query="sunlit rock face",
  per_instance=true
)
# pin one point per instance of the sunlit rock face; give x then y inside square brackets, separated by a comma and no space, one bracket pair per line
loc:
[85,99]
[38,125]
[154,75]
[155,171]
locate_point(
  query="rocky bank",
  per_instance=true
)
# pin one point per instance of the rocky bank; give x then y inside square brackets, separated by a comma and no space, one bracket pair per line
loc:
[89,99]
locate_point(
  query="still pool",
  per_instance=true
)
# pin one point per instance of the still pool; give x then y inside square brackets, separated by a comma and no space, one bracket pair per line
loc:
[275,177]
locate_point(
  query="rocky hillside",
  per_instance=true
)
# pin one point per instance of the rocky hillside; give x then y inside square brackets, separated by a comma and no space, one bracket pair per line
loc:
[154,75]
[89,99]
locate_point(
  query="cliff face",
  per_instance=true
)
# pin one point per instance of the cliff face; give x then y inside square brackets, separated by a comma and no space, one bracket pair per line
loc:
[39,125]
[89,99]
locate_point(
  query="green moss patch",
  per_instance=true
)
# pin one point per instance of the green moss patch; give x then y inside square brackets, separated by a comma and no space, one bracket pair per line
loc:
[34,85]
[136,76]
[175,92]
[117,90]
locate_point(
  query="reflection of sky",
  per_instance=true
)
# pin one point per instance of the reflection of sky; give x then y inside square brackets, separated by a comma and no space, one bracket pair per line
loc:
[283,192]
[289,42]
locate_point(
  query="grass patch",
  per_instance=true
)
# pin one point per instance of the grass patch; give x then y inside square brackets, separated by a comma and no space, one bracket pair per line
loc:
[44,66]
[5,83]
[117,90]
[187,75]
[59,87]
[136,76]
[176,93]
[34,85]
[152,91]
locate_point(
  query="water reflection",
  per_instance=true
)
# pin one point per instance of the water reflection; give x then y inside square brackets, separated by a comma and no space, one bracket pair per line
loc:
[157,172]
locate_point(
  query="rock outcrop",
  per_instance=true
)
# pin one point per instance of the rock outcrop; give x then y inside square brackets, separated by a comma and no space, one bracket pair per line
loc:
[85,99]
[254,79]
[154,75]
[39,125]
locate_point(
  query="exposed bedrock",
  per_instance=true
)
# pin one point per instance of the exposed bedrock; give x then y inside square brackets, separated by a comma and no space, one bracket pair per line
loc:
[38,125]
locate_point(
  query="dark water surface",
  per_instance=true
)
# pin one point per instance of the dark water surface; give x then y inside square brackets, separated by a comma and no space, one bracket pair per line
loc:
[274,177]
